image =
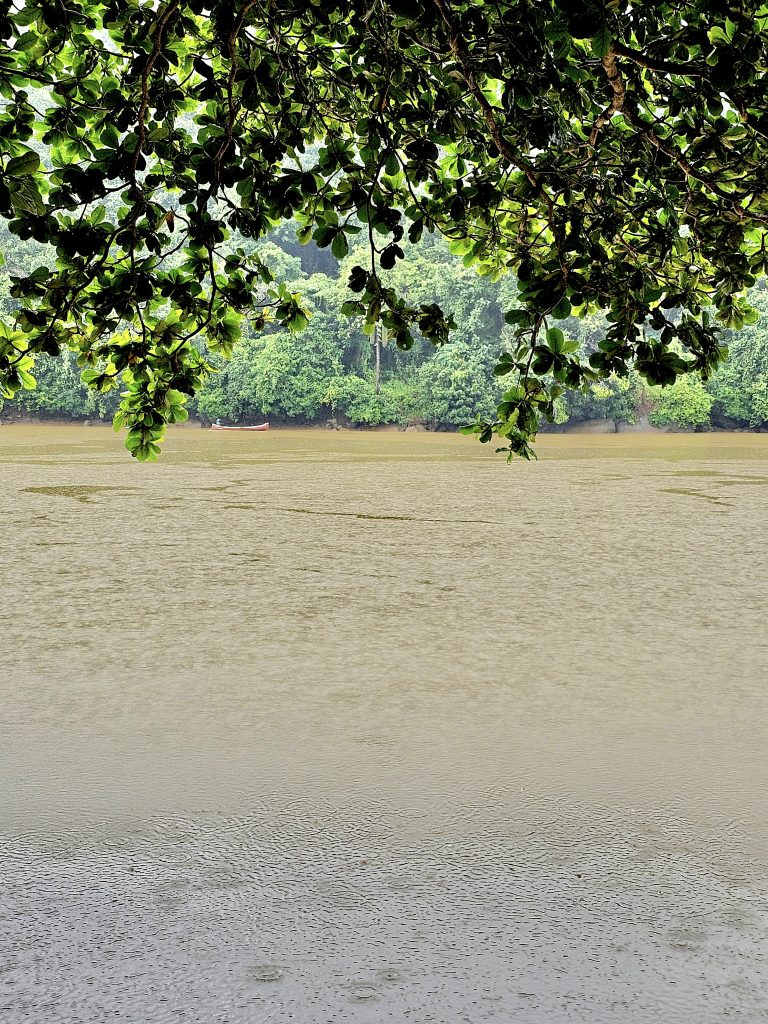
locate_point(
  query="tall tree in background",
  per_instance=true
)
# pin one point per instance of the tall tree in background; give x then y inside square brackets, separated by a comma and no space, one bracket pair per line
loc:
[612,155]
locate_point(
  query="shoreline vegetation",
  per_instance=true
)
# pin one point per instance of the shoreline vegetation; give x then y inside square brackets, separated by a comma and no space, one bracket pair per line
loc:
[334,373]
[11,418]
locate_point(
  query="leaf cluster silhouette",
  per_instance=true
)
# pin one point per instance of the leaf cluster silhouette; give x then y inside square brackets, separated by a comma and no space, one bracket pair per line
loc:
[612,156]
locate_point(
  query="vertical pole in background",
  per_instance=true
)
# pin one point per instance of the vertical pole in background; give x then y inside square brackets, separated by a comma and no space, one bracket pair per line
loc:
[377,351]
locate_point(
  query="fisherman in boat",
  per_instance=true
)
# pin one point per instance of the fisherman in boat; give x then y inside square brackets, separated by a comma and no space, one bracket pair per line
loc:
[218,422]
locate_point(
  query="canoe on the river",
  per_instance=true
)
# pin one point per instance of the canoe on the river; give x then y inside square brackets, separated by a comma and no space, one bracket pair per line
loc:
[261,426]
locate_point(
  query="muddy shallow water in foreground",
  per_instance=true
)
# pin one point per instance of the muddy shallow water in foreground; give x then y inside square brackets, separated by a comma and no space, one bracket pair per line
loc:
[303,727]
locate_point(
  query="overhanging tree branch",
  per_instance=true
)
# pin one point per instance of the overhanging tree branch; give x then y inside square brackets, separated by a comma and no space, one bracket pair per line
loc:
[662,66]
[494,129]
[619,93]
[334,113]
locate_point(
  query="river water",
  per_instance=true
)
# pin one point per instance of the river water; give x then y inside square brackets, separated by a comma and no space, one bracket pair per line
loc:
[309,727]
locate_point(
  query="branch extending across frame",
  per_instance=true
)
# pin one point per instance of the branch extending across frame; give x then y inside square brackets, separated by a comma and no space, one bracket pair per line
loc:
[151,60]
[232,113]
[619,104]
[493,126]
[662,66]
[619,94]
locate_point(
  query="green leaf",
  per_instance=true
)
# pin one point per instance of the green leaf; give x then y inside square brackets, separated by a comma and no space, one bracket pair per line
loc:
[504,366]
[518,317]
[134,439]
[23,165]
[392,165]
[298,321]
[351,308]
[26,197]
[146,453]
[562,309]
[601,42]
[555,339]
[340,246]
[323,236]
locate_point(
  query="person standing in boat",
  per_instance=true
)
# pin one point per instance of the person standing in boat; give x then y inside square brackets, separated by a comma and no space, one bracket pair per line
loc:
[218,422]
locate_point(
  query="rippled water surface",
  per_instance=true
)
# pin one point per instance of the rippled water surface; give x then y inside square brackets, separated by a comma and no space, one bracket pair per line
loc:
[309,727]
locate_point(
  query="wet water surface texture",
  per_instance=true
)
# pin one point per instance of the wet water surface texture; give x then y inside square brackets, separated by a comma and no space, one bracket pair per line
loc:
[304,727]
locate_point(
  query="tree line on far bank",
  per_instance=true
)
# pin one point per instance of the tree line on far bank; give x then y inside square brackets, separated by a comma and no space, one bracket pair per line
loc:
[330,371]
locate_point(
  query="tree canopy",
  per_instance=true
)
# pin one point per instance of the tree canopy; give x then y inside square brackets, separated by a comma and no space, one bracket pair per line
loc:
[611,155]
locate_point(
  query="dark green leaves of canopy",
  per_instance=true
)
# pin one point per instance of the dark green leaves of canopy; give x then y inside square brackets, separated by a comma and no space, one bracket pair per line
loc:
[612,157]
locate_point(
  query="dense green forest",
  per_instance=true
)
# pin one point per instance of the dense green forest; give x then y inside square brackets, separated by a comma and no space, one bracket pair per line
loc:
[329,370]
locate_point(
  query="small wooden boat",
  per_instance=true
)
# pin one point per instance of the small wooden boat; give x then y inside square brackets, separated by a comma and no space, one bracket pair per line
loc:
[261,426]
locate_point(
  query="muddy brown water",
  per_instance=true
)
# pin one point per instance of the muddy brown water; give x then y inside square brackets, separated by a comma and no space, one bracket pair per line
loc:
[311,727]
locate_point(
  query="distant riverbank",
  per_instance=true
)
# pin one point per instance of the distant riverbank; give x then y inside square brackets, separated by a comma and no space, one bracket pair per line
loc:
[589,426]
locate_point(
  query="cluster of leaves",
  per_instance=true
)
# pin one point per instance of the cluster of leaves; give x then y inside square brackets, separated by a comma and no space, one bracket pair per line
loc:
[612,155]
[17,362]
